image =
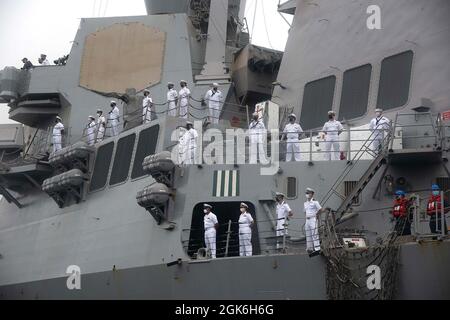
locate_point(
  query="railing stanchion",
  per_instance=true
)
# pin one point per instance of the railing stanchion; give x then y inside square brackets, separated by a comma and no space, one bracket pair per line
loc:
[228,238]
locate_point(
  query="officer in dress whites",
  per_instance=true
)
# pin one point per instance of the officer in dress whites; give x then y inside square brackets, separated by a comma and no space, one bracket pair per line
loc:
[378,125]
[147,106]
[190,139]
[312,210]
[185,95]
[257,130]
[332,129]
[283,214]
[172,100]
[43,60]
[293,132]
[58,131]
[245,231]
[114,118]
[90,131]
[210,223]
[214,99]
[101,125]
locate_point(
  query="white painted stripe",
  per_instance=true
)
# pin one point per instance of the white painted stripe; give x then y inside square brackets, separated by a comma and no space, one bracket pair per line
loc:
[234,183]
[219,182]
[226,184]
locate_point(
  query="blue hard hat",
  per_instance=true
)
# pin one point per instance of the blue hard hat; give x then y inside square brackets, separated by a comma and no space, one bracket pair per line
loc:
[435,187]
[400,193]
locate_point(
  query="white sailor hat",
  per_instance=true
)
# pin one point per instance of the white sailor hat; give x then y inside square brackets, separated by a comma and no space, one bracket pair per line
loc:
[205,205]
[279,194]
[378,110]
[146,90]
[58,118]
[99,110]
[331,112]
[183,81]
[113,103]
[215,84]
[292,116]
[309,190]
[188,122]
[243,205]
[92,117]
[170,84]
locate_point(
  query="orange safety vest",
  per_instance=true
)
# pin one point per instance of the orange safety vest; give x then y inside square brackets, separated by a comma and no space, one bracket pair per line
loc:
[433,203]
[400,208]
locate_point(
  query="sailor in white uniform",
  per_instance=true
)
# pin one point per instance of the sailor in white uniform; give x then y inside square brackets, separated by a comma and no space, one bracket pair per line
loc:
[147,105]
[283,214]
[210,224]
[90,131]
[58,131]
[101,126]
[114,118]
[293,132]
[214,99]
[379,125]
[332,130]
[172,100]
[312,209]
[245,231]
[185,95]
[190,139]
[257,132]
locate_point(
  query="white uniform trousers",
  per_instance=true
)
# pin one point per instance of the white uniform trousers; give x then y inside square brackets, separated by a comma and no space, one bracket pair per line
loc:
[57,143]
[293,148]
[257,149]
[214,113]
[91,137]
[210,241]
[172,109]
[331,141]
[100,133]
[377,142]
[245,242]
[114,127]
[312,234]
[184,111]
[281,231]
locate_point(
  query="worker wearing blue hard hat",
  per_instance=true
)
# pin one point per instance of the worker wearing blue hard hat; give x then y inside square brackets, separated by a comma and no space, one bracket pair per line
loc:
[401,213]
[434,210]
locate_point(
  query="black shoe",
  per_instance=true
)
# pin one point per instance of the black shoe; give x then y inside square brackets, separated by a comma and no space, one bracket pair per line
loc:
[314,253]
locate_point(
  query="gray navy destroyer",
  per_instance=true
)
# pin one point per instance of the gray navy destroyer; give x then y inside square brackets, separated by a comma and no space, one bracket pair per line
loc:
[130,220]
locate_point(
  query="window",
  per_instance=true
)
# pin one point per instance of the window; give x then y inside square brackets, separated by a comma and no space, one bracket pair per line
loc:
[291,188]
[395,78]
[148,139]
[355,92]
[122,159]
[101,166]
[317,101]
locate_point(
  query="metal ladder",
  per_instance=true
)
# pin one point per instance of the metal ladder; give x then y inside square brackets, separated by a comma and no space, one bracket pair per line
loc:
[9,197]
[376,164]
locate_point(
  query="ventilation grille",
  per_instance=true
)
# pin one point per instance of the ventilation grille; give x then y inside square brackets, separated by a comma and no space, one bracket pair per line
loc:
[348,188]
[291,191]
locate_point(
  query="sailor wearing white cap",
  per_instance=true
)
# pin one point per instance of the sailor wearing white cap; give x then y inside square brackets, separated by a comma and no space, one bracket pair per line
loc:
[190,138]
[332,130]
[210,224]
[114,118]
[214,99]
[379,125]
[283,214]
[58,131]
[257,132]
[147,105]
[293,132]
[90,131]
[312,209]
[101,125]
[185,95]
[172,100]
[245,231]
